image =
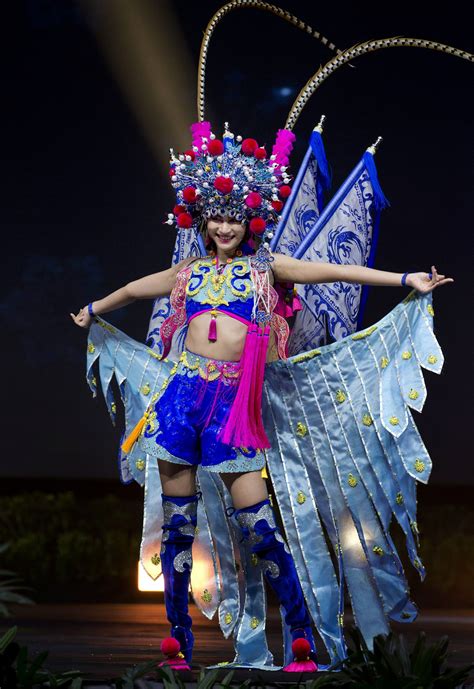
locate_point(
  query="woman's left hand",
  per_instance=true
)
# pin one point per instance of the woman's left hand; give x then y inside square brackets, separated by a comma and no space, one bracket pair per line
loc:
[424,283]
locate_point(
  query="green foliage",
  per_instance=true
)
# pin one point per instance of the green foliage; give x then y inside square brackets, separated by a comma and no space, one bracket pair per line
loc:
[391,665]
[72,548]
[10,585]
[18,671]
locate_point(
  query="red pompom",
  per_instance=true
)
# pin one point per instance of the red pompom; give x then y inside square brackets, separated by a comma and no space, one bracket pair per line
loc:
[215,147]
[260,153]
[253,200]
[257,225]
[277,205]
[190,153]
[301,648]
[189,194]
[184,220]
[224,184]
[284,191]
[179,209]
[170,646]
[172,171]
[249,146]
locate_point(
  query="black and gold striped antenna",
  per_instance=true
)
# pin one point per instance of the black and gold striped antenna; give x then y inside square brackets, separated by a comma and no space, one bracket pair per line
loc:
[361,49]
[240,4]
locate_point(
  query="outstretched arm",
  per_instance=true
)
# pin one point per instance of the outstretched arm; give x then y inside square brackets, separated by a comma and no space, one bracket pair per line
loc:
[148,287]
[288,269]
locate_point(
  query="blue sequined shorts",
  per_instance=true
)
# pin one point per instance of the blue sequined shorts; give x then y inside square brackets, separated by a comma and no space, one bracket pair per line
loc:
[188,414]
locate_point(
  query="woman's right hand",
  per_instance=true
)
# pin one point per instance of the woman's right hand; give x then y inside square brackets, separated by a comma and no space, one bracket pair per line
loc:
[83,319]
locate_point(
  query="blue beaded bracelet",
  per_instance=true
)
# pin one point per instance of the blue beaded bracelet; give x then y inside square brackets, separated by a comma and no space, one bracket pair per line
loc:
[90,309]
[404,278]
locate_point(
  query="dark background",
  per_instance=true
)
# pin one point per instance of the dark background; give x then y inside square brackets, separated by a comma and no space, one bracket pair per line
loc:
[84,195]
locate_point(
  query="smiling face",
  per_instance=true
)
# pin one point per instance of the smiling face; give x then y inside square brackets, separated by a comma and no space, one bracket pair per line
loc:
[226,233]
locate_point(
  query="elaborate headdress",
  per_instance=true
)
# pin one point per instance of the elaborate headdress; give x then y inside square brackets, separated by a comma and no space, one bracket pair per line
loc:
[232,177]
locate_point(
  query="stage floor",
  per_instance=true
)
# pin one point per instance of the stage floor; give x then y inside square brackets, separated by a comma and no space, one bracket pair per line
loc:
[102,640]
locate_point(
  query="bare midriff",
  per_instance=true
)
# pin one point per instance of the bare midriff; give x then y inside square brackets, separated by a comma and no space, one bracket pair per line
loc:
[231,334]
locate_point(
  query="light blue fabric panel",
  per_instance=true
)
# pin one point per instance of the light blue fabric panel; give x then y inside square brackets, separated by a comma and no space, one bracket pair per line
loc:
[293,489]
[330,413]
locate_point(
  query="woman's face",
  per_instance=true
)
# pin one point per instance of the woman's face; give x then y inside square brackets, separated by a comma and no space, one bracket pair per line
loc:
[225,232]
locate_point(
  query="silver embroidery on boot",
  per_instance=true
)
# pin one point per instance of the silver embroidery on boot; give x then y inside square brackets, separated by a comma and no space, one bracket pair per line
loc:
[271,568]
[249,519]
[170,509]
[182,558]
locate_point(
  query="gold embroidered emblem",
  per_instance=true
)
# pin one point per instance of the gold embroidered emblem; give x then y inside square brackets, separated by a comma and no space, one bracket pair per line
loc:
[384,361]
[367,420]
[377,550]
[301,429]
[254,559]
[206,596]
[430,310]
[146,389]
[394,420]
[254,622]
[419,465]
[399,499]
[140,464]
[340,396]
[300,498]
[406,355]
[228,618]
[413,394]
[352,480]
[432,359]
[90,348]
[155,559]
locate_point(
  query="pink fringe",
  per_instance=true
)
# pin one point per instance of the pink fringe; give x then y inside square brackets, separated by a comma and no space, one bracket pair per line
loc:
[212,335]
[301,666]
[258,384]
[198,131]
[283,147]
[244,426]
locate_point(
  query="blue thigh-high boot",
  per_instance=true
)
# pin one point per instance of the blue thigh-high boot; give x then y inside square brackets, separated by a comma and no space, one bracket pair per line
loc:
[179,526]
[259,528]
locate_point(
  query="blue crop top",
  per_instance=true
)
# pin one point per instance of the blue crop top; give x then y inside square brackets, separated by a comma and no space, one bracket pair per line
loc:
[231,291]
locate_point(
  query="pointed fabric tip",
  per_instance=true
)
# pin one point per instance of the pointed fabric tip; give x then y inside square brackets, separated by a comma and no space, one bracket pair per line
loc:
[317,146]
[380,200]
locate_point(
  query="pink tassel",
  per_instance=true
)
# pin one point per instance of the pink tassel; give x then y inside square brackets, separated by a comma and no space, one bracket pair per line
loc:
[258,378]
[212,335]
[237,430]
[244,427]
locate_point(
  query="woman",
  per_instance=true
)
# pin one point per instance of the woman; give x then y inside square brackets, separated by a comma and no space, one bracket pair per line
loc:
[207,418]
